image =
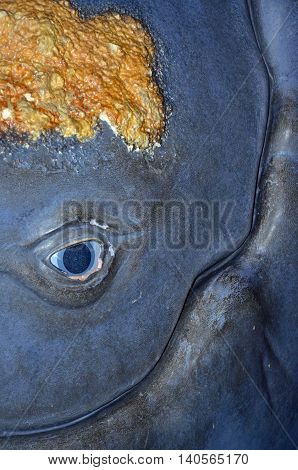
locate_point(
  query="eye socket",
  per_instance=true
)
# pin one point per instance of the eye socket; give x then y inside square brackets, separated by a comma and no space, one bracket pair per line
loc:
[79,261]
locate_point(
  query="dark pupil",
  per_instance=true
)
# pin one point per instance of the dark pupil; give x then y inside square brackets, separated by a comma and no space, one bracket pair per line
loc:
[77,258]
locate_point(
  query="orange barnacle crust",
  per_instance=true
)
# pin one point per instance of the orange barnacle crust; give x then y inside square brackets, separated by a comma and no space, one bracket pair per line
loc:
[61,72]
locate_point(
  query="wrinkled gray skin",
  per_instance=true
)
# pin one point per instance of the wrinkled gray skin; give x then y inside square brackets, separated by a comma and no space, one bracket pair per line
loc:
[187,348]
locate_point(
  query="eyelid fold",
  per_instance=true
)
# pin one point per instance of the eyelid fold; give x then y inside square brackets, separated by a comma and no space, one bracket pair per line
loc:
[72,233]
[122,223]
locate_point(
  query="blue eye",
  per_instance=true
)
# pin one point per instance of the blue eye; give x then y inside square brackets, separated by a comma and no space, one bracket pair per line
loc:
[79,261]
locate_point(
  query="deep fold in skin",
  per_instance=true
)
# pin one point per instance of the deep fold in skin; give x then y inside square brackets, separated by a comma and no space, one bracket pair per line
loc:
[61,72]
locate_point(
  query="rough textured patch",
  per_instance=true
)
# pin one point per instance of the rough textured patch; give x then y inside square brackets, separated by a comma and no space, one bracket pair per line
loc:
[60,72]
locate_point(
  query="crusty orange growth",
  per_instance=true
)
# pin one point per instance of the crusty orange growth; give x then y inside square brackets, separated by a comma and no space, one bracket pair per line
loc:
[60,72]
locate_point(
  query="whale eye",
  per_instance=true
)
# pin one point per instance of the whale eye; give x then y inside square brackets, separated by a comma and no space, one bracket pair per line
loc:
[79,261]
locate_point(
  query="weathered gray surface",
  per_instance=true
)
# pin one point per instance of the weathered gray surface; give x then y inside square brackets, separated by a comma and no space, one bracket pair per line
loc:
[228,377]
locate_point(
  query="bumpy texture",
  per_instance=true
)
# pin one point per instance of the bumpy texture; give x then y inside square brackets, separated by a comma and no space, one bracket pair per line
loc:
[61,72]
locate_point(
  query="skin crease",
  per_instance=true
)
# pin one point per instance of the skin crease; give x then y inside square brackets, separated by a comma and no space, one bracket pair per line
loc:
[69,73]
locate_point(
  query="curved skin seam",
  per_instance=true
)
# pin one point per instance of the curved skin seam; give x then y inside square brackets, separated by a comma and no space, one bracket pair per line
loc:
[204,276]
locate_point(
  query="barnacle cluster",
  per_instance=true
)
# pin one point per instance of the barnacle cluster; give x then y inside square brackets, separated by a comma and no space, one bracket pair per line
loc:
[61,72]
